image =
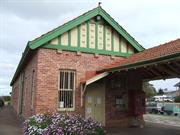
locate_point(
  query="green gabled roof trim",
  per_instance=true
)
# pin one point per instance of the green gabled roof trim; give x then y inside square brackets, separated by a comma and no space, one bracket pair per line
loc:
[68,26]
[63,28]
[23,58]
[77,21]
[143,63]
[119,29]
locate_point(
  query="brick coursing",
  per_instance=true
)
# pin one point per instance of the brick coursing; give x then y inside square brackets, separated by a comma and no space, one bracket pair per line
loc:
[15,94]
[31,64]
[47,63]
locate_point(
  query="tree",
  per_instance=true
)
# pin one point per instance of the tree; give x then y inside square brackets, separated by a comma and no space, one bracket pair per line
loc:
[177,99]
[6,98]
[149,89]
[1,103]
[160,92]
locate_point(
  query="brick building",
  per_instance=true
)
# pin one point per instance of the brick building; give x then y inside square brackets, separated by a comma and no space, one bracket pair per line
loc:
[91,66]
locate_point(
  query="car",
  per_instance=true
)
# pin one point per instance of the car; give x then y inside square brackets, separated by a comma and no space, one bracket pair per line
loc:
[172,109]
[154,107]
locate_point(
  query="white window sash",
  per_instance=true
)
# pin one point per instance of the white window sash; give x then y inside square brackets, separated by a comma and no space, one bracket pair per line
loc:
[65,93]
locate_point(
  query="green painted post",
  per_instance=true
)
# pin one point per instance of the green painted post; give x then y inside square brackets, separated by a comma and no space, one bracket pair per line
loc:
[87,34]
[59,40]
[119,43]
[112,40]
[104,32]
[69,38]
[127,47]
[96,36]
[79,36]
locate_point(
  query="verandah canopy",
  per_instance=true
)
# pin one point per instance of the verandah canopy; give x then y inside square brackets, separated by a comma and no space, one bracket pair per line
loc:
[161,62]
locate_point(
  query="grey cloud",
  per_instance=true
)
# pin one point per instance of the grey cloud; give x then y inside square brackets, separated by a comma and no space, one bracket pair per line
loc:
[149,22]
[42,10]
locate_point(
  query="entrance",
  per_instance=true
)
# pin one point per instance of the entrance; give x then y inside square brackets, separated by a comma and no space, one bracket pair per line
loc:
[21,93]
[95,102]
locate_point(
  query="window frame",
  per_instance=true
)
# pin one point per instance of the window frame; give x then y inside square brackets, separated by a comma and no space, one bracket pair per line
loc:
[73,90]
[121,104]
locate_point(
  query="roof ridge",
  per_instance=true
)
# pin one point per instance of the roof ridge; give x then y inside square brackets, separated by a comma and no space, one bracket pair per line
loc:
[163,44]
[158,46]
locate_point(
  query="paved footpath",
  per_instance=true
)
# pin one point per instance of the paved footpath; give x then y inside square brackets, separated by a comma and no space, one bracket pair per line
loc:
[9,123]
[163,119]
[149,129]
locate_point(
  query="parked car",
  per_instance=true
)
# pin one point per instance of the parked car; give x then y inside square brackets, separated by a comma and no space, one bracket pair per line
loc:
[154,107]
[172,109]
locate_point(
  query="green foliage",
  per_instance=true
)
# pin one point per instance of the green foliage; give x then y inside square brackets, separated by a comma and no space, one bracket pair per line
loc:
[61,124]
[100,131]
[160,92]
[1,103]
[177,99]
[6,98]
[149,89]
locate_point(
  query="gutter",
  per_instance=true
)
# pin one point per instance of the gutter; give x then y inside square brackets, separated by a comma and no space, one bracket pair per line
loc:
[142,63]
[20,65]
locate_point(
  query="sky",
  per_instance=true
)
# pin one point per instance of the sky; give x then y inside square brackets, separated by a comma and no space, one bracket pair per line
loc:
[150,22]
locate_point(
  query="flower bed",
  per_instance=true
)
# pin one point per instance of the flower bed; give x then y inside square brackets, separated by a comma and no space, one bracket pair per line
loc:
[61,124]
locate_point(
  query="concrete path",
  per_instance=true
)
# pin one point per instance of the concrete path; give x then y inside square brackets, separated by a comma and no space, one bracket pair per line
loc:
[163,119]
[9,123]
[149,129]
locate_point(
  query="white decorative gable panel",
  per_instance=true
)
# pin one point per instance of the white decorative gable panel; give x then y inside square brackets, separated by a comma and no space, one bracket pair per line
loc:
[108,38]
[74,37]
[83,35]
[91,35]
[64,39]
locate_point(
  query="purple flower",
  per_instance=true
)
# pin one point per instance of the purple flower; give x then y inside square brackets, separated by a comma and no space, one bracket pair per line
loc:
[61,124]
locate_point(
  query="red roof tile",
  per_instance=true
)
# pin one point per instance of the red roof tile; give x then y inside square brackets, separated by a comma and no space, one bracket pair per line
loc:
[166,49]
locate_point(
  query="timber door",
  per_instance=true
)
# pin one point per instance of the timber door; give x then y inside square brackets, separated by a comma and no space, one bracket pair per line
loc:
[21,94]
[95,103]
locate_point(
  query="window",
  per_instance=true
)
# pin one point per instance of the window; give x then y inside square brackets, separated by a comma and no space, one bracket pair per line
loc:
[120,103]
[66,90]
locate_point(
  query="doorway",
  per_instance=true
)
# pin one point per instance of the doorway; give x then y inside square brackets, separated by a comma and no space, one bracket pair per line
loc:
[95,102]
[21,94]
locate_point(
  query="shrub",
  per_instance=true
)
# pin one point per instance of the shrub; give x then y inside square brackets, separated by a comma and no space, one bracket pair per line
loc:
[1,103]
[61,124]
[177,99]
[7,98]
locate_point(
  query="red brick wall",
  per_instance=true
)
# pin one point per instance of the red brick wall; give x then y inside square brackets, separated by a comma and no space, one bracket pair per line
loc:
[27,87]
[32,65]
[15,92]
[46,63]
[114,117]
[49,63]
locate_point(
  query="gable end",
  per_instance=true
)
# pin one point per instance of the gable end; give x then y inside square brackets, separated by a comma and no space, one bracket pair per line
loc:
[67,27]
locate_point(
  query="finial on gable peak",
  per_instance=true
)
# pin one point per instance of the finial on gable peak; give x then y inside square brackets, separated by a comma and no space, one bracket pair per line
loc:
[99,4]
